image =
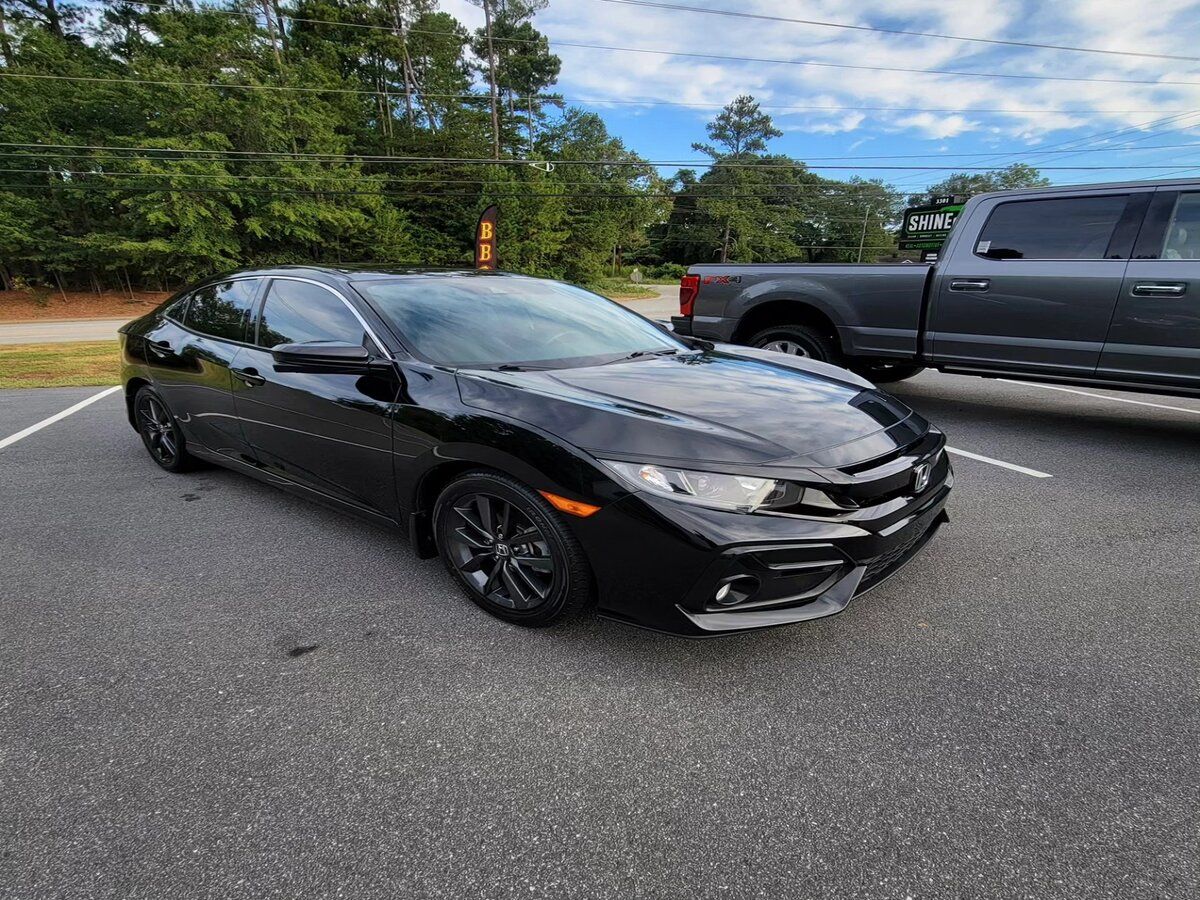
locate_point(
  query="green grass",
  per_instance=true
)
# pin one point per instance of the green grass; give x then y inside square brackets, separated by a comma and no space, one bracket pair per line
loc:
[618,289]
[60,365]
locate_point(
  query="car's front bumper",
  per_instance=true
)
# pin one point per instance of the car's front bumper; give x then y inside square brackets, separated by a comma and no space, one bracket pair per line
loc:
[660,563]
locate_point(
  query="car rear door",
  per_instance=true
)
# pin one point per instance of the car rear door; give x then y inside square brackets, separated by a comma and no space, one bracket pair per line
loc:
[1155,333]
[328,431]
[191,353]
[1037,287]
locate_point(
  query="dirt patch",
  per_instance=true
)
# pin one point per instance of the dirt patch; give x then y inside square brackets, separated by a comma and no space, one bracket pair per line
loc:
[39,304]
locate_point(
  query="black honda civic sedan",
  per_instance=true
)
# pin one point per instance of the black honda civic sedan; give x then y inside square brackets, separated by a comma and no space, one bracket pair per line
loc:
[553,447]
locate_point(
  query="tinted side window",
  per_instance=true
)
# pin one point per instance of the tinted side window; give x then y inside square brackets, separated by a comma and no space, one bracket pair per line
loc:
[1183,230]
[177,308]
[299,313]
[1067,228]
[222,310]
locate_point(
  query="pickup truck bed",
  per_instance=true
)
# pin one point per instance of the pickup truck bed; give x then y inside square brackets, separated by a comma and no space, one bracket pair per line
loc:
[1086,285]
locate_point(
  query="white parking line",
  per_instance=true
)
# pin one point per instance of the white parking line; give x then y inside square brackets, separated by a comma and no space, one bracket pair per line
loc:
[26,432]
[998,462]
[1054,387]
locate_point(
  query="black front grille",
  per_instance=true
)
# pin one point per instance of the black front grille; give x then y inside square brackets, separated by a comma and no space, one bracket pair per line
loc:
[882,566]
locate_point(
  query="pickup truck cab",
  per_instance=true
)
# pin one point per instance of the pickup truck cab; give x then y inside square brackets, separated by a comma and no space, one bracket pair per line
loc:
[1096,284]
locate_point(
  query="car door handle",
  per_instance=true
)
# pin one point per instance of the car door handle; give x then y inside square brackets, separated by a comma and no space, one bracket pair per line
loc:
[963,284]
[250,377]
[1159,289]
[160,346]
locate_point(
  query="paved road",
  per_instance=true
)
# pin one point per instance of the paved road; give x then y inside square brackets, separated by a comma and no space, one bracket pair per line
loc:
[56,331]
[1013,715]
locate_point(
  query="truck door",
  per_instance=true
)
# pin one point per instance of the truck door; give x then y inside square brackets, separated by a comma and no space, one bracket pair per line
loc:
[1037,287]
[1155,333]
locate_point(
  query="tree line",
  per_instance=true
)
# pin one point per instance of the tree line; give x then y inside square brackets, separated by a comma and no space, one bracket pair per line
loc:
[152,143]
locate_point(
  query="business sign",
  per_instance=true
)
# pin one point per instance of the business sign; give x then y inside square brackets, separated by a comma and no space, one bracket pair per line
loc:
[926,227]
[485,240]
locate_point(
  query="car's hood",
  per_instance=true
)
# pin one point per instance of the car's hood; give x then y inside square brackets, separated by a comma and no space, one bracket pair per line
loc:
[749,407]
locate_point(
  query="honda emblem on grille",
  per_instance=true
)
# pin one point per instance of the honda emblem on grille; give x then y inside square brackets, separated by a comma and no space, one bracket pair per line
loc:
[921,475]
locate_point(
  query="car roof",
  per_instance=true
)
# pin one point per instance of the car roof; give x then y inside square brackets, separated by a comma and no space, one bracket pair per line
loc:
[1051,190]
[362,272]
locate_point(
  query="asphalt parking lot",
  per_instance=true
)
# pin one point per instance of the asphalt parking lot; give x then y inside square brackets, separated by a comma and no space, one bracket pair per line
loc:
[211,689]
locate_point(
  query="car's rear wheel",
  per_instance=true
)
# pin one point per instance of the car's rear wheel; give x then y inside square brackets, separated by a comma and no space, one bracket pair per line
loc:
[798,340]
[160,432]
[510,550]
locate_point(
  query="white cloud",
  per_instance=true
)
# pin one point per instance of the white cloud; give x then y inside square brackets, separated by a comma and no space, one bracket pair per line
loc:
[1032,105]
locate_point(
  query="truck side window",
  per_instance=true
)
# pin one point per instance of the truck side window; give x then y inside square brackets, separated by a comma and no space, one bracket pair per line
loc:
[1067,228]
[1183,229]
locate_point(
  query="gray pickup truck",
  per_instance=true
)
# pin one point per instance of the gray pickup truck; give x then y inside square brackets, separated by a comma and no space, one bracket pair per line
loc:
[1096,285]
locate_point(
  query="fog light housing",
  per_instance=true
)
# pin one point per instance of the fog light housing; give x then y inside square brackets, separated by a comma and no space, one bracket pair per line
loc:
[735,590]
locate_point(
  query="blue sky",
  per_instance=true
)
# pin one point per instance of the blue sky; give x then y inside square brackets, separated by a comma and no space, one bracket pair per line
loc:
[1037,114]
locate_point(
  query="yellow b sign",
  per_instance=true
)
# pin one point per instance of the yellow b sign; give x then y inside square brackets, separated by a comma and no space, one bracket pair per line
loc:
[485,240]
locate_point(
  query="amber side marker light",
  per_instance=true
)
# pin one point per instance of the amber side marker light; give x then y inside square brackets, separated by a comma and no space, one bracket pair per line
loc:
[572,507]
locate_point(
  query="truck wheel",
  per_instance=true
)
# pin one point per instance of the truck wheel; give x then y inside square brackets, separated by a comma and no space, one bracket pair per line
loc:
[886,373]
[798,340]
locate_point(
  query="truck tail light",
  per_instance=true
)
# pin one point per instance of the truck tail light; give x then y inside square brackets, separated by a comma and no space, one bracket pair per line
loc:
[689,290]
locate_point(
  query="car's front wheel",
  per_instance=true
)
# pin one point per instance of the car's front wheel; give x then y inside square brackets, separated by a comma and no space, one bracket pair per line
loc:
[160,432]
[510,550]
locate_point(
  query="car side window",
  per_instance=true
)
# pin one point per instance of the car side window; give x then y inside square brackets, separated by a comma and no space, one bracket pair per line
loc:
[222,310]
[1066,228]
[176,310]
[296,312]
[1182,240]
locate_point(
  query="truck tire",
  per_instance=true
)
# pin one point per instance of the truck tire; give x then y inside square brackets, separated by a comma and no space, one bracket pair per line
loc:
[798,340]
[886,373]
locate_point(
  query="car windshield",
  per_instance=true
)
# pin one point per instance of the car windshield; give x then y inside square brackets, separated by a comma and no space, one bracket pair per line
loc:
[489,321]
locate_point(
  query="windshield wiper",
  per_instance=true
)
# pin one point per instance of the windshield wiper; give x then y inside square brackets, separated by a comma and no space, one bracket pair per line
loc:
[639,354]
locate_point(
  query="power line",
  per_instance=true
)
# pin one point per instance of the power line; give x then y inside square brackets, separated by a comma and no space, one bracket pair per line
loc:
[899,31]
[528,195]
[701,164]
[989,153]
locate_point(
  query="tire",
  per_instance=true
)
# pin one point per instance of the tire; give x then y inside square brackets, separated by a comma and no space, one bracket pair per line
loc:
[798,340]
[886,373]
[542,576]
[160,431]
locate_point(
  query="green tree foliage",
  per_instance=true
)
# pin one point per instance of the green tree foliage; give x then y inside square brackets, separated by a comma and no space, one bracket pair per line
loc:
[153,144]
[752,206]
[1018,175]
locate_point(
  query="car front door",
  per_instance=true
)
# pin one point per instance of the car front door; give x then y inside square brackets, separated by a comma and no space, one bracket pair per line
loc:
[329,431]
[1155,333]
[1038,287]
[191,353]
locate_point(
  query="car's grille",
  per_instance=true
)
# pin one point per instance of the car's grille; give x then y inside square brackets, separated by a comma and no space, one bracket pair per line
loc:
[882,566]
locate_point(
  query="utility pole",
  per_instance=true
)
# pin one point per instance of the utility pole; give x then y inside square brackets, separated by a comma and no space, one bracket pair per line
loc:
[487,20]
[530,98]
[862,239]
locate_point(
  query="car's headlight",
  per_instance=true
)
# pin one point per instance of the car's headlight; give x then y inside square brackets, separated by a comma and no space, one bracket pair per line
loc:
[744,493]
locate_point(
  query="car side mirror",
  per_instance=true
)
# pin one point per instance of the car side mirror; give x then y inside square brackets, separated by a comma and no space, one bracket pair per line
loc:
[321,356]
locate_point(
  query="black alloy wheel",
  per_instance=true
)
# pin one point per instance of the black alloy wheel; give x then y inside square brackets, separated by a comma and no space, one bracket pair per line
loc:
[510,550]
[159,431]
